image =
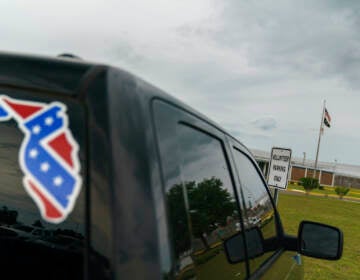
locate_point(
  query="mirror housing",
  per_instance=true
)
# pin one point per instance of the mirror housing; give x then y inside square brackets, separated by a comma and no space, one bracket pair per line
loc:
[235,245]
[320,241]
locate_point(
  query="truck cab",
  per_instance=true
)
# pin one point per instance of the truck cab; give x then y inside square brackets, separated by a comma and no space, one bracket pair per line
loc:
[131,183]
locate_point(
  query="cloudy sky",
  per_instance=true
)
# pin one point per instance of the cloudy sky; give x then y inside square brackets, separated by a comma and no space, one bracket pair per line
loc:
[260,70]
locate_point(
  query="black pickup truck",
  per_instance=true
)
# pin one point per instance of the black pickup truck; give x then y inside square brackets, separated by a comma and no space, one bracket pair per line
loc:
[104,176]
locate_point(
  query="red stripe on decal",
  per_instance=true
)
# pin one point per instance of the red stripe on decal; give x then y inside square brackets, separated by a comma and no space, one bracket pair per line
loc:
[23,110]
[50,211]
[63,148]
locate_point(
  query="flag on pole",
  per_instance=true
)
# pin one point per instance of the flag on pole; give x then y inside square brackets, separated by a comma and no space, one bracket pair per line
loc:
[327,118]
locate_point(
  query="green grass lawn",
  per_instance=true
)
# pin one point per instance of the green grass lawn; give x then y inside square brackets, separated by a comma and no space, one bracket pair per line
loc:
[343,214]
[327,191]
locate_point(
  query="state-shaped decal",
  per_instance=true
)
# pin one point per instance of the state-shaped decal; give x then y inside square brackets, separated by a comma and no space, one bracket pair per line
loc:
[48,155]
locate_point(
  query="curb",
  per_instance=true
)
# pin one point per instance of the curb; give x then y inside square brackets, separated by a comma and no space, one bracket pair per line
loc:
[352,199]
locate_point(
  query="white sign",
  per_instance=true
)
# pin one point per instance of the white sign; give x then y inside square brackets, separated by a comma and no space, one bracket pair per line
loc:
[279,168]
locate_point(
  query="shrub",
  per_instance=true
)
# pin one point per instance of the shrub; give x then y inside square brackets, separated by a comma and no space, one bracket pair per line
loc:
[321,187]
[341,191]
[309,184]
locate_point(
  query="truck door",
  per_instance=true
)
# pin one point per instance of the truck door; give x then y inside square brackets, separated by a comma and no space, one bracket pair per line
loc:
[258,211]
[203,209]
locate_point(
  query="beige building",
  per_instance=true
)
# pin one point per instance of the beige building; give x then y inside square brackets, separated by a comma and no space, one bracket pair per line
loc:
[330,174]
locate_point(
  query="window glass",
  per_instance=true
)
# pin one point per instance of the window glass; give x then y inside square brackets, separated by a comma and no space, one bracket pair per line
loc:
[172,219]
[201,209]
[257,208]
[28,243]
[210,201]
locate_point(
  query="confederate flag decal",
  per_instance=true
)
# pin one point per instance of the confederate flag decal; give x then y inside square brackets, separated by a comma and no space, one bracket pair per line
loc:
[48,155]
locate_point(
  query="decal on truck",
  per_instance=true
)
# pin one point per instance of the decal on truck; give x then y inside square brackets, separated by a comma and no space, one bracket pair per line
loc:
[48,155]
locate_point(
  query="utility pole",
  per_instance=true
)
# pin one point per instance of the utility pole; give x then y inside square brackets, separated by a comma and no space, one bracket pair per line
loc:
[333,176]
[304,157]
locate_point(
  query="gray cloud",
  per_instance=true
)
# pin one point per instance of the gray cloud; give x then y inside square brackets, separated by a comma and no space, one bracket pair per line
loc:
[235,61]
[314,40]
[289,40]
[265,123]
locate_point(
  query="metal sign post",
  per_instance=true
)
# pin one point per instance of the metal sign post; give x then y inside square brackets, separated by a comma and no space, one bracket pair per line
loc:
[279,169]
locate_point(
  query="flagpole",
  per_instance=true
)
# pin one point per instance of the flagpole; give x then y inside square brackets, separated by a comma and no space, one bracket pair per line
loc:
[320,133]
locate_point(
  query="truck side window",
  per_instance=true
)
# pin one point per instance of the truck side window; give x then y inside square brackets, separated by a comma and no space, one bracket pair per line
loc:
[172,219]
[257,208]
[210,201]
[200,208]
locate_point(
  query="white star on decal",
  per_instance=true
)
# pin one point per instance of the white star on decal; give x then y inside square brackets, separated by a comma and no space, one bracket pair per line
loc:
[33,153]
[49,121]
[36,129]
[58,181]
[44,167]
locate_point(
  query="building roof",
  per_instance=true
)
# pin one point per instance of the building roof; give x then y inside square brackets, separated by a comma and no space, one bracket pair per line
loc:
[338,168]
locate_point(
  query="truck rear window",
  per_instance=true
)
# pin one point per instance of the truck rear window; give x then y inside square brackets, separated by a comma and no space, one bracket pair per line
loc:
[29,244]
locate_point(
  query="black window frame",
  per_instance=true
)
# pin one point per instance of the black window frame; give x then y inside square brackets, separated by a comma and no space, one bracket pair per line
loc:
[183,116]
[278,241]
[204,127]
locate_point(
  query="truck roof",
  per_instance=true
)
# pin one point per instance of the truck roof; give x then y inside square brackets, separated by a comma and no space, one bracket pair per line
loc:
[67,75]
[56,74]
